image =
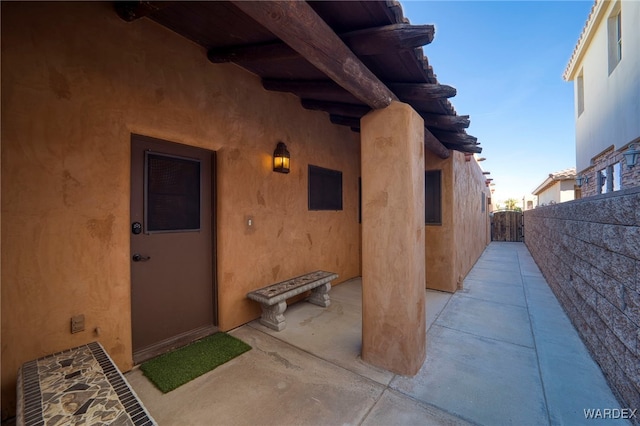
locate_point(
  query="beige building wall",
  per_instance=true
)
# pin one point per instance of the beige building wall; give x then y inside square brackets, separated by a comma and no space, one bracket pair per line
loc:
[470,213]
[76,82]
[393,269]
[454,247]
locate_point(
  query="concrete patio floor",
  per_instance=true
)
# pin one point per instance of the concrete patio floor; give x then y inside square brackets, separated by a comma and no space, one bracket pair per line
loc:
[500,351]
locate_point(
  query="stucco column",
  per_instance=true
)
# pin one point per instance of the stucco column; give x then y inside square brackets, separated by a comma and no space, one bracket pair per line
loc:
[393,260]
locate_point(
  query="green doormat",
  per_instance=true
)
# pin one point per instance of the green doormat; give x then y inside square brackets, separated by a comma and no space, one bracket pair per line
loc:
[174,369]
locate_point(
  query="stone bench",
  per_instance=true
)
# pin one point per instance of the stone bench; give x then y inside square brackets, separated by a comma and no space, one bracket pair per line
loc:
[273,298]
[77,386]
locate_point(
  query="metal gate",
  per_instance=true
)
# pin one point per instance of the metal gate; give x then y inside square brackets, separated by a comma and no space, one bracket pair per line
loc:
[507,226]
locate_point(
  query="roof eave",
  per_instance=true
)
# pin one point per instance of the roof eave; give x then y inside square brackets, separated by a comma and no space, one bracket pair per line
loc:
[595,16]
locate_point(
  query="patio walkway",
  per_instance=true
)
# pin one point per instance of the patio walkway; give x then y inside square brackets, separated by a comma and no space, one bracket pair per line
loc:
[501,351]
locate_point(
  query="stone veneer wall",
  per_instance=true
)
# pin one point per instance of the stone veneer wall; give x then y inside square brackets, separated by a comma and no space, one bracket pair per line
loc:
[589,252]
[629,177]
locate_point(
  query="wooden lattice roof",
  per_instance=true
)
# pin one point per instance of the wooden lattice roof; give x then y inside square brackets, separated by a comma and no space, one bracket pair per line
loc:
[341,57]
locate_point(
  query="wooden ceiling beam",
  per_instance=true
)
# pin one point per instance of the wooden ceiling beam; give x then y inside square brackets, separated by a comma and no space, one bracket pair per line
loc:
[407,92]
[388,38]
[352,122]
[304,88]
[454,138]
[370,41]
[445,122]
[132,10]
[419,91]
[299,26]
[432,144]
[469,149]
[337,108]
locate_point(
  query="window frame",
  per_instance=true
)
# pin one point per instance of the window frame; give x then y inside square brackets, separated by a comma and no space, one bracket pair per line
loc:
[614,38]
[433,210]
[580,93]
[324,189]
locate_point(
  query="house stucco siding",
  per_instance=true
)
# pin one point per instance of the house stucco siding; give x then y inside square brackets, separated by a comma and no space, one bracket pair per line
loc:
[77,81]
[550,195]
[611,100]
[589,252]
[453,247]
[472,218]
[559,192]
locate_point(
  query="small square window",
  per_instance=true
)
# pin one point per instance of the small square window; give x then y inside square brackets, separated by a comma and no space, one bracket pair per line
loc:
[325,189]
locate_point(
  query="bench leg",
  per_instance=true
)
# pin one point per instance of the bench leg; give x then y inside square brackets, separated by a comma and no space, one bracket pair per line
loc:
[272,316]
[320,295]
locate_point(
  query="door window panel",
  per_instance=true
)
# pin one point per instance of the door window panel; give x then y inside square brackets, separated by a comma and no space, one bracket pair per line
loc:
[172,193]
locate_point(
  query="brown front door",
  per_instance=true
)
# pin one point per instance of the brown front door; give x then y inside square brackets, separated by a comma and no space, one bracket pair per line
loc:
[173,299]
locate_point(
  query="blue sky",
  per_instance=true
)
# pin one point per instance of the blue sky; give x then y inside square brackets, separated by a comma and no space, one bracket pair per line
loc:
[506,59]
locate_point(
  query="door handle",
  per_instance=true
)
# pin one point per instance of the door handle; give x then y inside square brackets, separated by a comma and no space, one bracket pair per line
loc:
[140,258]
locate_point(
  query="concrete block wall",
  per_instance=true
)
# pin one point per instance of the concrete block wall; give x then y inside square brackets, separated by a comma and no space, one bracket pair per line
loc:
[589,252]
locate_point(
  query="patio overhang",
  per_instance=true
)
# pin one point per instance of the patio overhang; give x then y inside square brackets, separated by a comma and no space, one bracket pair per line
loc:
[344,58]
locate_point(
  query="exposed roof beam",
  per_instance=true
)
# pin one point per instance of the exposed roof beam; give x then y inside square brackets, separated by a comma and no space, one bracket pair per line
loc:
[338,108]
[299,26]
[437,121]
[352,122]
[454,138]
[132,10]
[431,143]
[470,149]
[370,41]
[306,88]
[420,91]
[434,145]
[405,91]
[373,41]
[445,122]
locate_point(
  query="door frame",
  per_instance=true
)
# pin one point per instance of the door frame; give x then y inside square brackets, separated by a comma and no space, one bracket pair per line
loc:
[192,335]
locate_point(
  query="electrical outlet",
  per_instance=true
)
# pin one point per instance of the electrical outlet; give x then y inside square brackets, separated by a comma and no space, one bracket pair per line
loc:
[77,323]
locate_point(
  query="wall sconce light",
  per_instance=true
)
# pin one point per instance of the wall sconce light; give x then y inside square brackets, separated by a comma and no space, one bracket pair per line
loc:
[631,156]
[281,159]
[582,180]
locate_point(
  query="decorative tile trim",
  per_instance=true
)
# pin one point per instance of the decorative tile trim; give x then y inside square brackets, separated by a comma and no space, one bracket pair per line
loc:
[77,386]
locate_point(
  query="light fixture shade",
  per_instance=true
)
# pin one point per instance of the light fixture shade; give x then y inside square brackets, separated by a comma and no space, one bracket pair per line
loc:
[579,181]
[631,156]
[281,159]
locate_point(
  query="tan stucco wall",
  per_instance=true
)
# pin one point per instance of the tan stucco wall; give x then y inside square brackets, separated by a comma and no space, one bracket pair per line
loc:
[393,296]
[76,82]
[472,231]
[440,251]
[453,247]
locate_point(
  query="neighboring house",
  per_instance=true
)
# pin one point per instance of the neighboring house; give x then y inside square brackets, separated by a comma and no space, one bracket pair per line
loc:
[557,188]
[529,202]
[605,69]
[138,185]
